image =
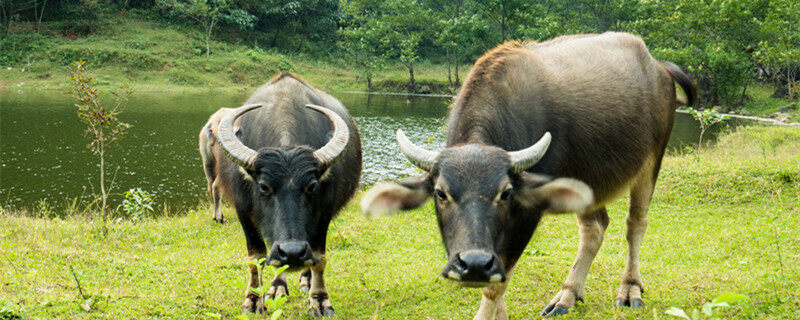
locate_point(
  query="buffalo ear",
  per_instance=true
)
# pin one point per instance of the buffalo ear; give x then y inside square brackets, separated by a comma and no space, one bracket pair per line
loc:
[559,195]
[386,198]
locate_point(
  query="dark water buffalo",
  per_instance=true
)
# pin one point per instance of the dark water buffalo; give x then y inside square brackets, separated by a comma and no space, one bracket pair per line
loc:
[565,125]
[208,138]
[292,162]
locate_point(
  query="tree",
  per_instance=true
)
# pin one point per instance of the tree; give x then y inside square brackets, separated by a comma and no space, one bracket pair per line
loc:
[103,126]
[506,14]
[207,13]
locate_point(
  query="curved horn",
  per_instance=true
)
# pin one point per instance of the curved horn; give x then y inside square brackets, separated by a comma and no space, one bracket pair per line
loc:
[523,159]
[422,158]
[334,149]
[235,149]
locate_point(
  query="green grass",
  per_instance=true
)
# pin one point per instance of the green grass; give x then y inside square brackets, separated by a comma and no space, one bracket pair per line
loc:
[724,219]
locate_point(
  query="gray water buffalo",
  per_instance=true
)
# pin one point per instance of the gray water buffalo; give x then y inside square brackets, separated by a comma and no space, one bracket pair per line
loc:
[565,125]
[292,162]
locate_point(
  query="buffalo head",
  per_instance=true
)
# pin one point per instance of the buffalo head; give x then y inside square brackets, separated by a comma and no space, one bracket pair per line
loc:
[285,184]
[487,204]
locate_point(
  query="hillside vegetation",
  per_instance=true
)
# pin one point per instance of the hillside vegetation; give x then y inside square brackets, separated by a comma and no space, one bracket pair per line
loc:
[723,220]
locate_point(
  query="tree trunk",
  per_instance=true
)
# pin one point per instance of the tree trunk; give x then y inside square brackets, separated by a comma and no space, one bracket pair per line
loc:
[449,77]
[274,40]
[369,84]
[455,57]
[208,38]
[41,14]
[102,177]
[411,77]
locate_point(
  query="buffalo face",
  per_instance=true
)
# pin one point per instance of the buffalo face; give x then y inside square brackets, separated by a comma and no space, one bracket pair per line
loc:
[487,206]
[287,183]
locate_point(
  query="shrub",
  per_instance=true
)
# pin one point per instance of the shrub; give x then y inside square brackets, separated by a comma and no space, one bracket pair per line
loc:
[138,204]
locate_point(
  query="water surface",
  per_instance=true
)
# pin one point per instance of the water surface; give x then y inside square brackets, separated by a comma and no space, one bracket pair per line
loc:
[43,152]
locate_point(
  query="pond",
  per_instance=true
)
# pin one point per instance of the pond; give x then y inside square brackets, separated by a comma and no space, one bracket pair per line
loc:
[43,153]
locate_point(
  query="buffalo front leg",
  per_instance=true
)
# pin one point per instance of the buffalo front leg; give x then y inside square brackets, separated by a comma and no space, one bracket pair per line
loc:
[305,280]
[493,305]
[256,250]
[252,300]
[631,287]
[592,227]
[318,299]
[278,288]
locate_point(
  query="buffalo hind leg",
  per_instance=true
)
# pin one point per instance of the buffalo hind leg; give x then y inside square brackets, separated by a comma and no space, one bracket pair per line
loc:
[592,227]
[493,305]
[215,197]
[631,287]
[319,301]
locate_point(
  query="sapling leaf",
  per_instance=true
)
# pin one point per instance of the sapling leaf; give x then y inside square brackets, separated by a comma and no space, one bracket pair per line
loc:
[277,314]
[677,312]
[707,309]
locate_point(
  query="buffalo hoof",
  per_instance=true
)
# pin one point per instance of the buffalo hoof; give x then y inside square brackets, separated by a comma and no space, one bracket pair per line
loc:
[633,303]
[253,304]
[553,311]
[305,281]
[320,306]
[220,219]
[630,295]
[277,289]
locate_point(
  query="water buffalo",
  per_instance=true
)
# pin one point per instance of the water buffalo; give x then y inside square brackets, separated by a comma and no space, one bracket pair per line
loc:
[565,125]
[208,138]
[292,162]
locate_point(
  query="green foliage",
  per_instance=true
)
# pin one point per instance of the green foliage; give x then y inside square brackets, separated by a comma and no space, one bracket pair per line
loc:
[706,118]
[98,56]
[274,306]
[103,126]
[22,49]
[721,301]
[138,204]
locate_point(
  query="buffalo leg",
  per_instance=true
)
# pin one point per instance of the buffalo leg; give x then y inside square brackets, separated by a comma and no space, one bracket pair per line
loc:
[320,304]
[631,287]
[256,250]
[493,305]
[305,280]
[215,197]
[592,226]
[278,287]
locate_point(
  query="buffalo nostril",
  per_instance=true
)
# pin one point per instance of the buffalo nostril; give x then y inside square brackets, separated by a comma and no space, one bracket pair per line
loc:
[490,264]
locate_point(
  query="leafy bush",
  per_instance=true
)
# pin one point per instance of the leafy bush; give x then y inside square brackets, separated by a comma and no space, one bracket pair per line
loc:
[99,56]
[138,204]
[16,49]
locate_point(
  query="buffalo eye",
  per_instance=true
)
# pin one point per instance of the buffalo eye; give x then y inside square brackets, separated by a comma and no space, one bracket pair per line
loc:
[506,195]
[312,187]
[265,189]
[440,195]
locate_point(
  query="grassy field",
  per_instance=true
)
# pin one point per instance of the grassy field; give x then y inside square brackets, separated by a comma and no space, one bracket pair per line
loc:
[157,56]
[724,219]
